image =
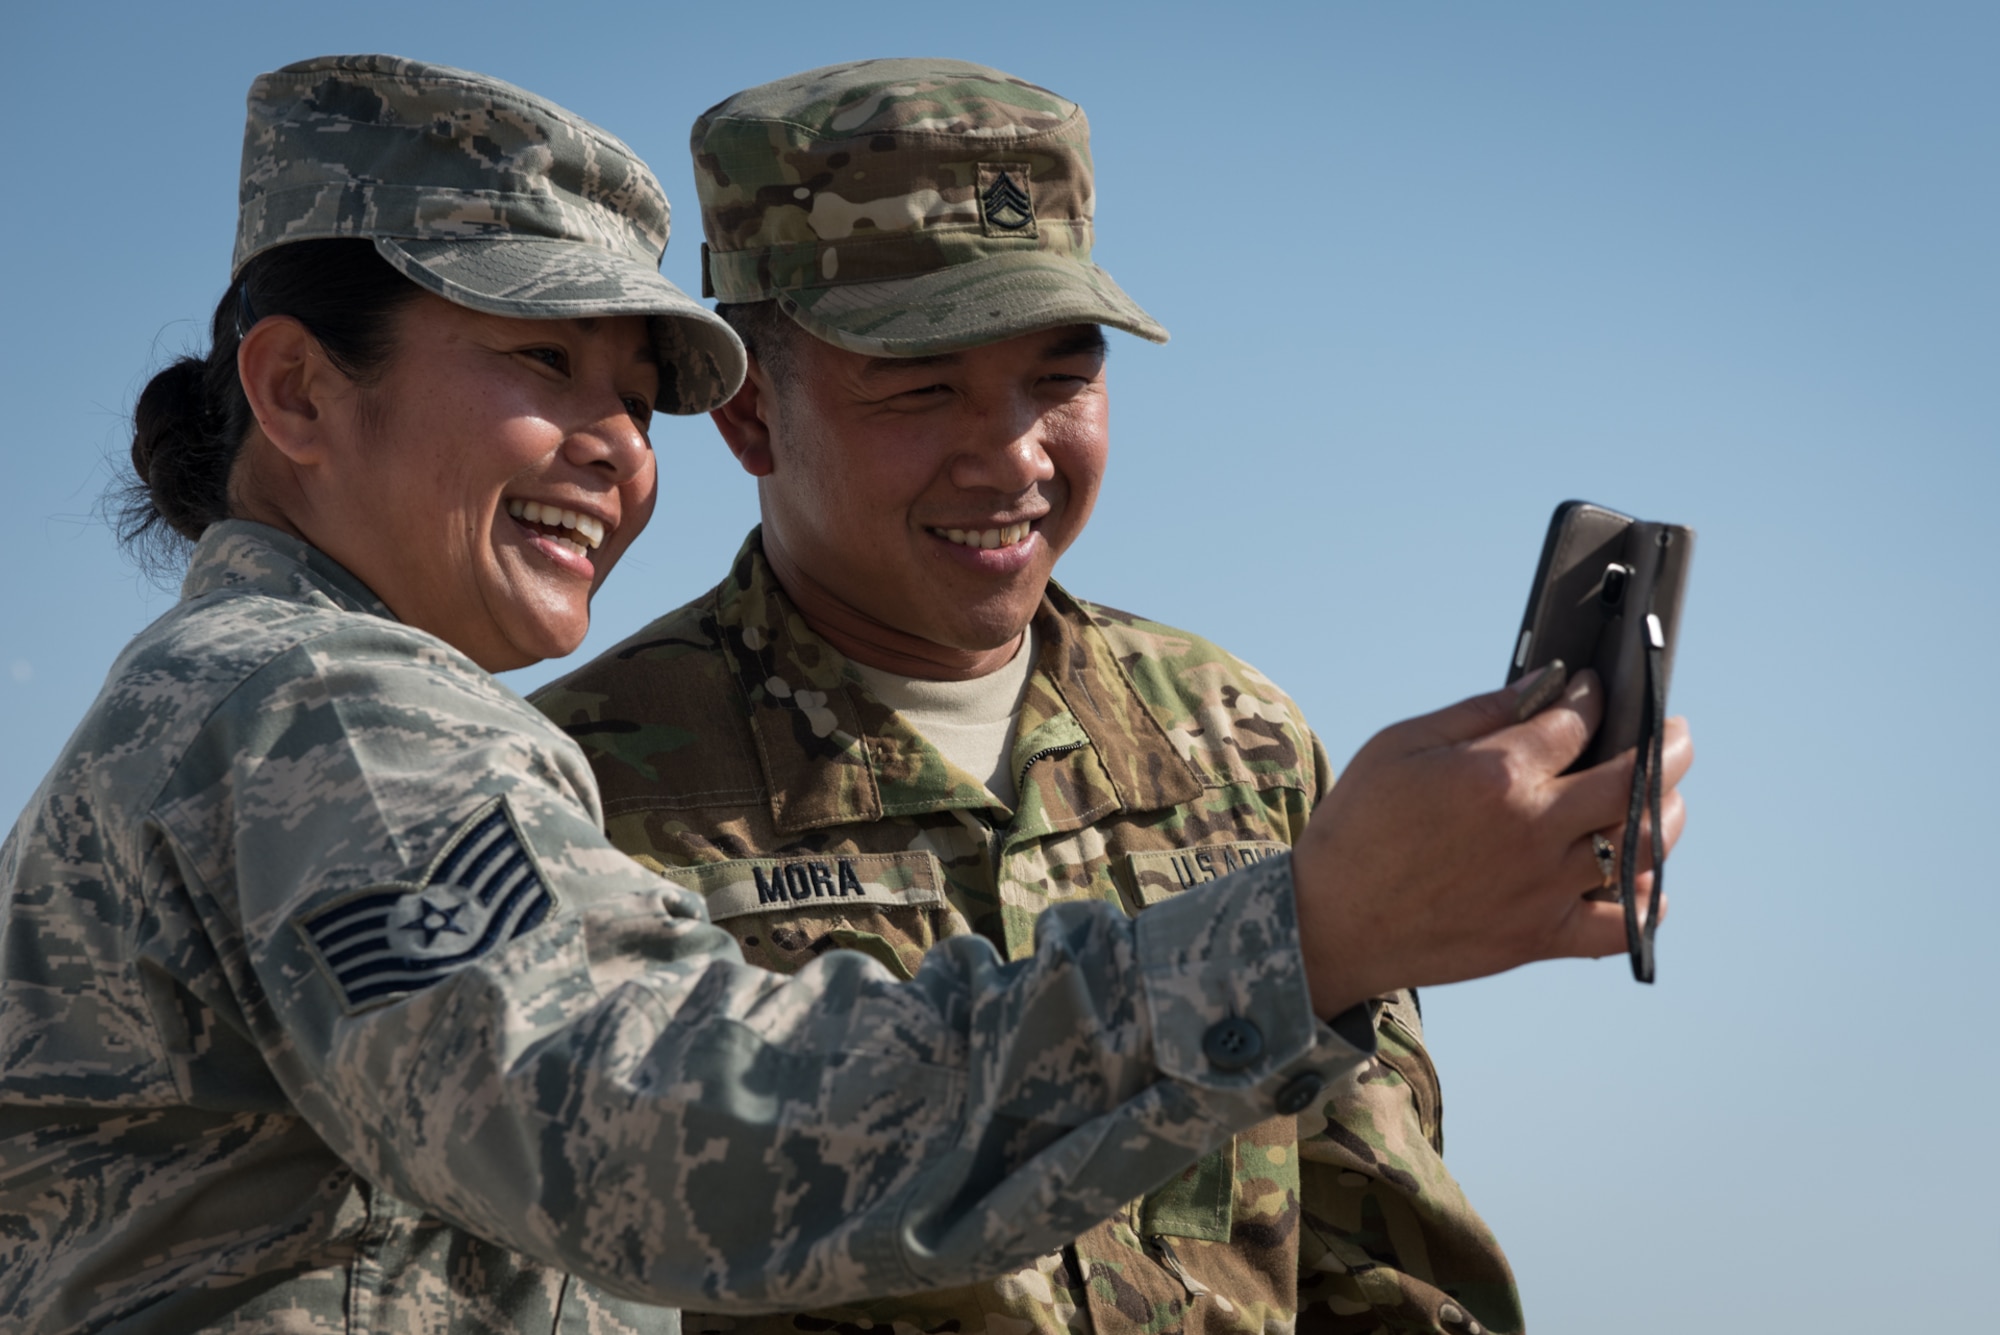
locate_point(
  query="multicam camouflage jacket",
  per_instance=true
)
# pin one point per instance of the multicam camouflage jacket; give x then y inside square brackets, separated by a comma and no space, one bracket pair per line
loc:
[738,753]
[326,1006]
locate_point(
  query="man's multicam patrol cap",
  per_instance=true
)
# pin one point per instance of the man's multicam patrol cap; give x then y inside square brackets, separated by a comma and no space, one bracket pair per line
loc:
[905,207]
[480,192]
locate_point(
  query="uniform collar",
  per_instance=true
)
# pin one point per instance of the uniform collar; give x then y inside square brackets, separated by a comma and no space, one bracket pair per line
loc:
[242,556]
[833,754]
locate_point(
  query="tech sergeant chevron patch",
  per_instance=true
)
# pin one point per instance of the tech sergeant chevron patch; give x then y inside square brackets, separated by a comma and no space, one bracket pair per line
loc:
[390,940]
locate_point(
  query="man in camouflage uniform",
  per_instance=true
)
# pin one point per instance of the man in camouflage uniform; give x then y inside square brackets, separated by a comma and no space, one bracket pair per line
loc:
[758,744]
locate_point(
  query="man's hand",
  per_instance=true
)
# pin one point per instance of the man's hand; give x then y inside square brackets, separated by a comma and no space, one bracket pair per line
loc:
[1454,847]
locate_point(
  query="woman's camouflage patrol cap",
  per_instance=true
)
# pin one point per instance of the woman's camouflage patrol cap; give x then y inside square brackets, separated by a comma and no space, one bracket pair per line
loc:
[480,192]
[905,207]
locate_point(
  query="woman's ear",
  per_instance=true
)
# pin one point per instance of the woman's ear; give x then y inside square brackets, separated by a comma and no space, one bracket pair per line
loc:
[292,388]
[745,424]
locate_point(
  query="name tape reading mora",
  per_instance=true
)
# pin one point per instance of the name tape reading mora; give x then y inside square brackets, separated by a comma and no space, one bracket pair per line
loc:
[826,882]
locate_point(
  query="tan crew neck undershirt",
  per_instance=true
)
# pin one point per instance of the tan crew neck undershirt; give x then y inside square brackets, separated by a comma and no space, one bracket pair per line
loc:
[971,722]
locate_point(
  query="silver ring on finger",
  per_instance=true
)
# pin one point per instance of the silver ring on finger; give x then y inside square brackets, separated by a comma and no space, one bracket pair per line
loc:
[1606,854]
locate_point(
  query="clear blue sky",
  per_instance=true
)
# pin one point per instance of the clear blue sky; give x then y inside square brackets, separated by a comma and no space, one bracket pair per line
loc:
[1430,268]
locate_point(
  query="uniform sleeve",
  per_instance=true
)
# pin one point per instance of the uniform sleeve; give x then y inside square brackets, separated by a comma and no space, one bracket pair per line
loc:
[1387,1236]
[488,1010]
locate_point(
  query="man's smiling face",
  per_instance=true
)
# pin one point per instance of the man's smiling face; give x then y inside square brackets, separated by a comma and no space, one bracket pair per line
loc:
[917,505]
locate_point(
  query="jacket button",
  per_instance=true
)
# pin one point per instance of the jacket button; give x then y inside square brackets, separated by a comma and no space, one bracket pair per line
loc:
[1299,1092]
[1232,1044]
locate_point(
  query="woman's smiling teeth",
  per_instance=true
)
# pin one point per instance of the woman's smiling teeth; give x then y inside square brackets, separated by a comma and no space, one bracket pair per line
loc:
[988,538]
[582,533]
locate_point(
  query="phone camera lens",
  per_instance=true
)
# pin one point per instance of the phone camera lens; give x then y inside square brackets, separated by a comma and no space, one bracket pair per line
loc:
[1612,593]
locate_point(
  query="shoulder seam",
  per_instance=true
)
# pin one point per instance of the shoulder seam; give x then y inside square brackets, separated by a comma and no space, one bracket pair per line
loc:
[270,660]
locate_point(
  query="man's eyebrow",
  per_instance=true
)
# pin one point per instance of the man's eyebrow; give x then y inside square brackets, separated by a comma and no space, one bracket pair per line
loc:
[891,365]
[1089,339]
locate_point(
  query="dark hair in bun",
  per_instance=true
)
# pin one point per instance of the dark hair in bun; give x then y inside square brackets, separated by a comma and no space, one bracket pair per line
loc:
[192,418]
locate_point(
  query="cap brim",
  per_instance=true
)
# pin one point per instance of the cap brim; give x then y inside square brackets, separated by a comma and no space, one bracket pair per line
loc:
[964,305]
[542,278]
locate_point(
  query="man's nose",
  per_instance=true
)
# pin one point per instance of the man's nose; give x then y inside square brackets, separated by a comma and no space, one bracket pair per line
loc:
[1007,455]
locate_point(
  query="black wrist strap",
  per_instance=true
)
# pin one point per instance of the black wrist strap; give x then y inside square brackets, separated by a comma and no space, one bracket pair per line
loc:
[1645,800]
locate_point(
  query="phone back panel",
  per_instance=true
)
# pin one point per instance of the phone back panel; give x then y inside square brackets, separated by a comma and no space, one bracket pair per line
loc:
[1570,617]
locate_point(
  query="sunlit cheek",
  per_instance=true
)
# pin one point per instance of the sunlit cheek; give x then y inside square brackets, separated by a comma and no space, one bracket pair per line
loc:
[636,500]
[1079,458]
[638,497]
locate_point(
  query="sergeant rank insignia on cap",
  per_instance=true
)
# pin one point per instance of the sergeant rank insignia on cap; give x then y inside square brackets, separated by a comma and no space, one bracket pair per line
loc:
[401,937]
[1004,204]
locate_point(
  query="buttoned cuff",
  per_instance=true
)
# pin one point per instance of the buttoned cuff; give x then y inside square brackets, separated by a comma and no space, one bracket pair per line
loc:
[1232,1016]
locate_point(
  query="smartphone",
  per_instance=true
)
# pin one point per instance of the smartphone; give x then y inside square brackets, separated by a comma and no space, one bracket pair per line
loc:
[1604,579]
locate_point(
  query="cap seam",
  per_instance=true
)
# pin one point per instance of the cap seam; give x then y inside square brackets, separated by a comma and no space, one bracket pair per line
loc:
[931,136]
[540,110]
[828,285]
[496,239]
[567,243]
[1026,243]
[400,241]
[917,346]
[455,192]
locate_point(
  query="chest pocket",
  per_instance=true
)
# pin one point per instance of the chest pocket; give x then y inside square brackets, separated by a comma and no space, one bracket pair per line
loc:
[1202,1202]
[1159,875]
[788,911]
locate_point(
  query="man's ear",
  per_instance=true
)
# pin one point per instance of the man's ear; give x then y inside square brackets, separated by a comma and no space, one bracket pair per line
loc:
[745,425]
[291,386]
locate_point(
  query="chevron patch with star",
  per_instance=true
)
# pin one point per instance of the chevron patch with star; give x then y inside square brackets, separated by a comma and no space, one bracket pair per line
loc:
[393,939]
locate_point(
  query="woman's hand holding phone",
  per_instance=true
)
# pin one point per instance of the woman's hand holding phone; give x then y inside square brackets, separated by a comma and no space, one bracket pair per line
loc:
[1455,845]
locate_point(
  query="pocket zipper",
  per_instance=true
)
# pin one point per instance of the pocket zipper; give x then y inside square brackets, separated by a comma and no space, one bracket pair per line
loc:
[1170,1261]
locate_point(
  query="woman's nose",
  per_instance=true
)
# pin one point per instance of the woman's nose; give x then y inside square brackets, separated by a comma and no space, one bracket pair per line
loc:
[615,442]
